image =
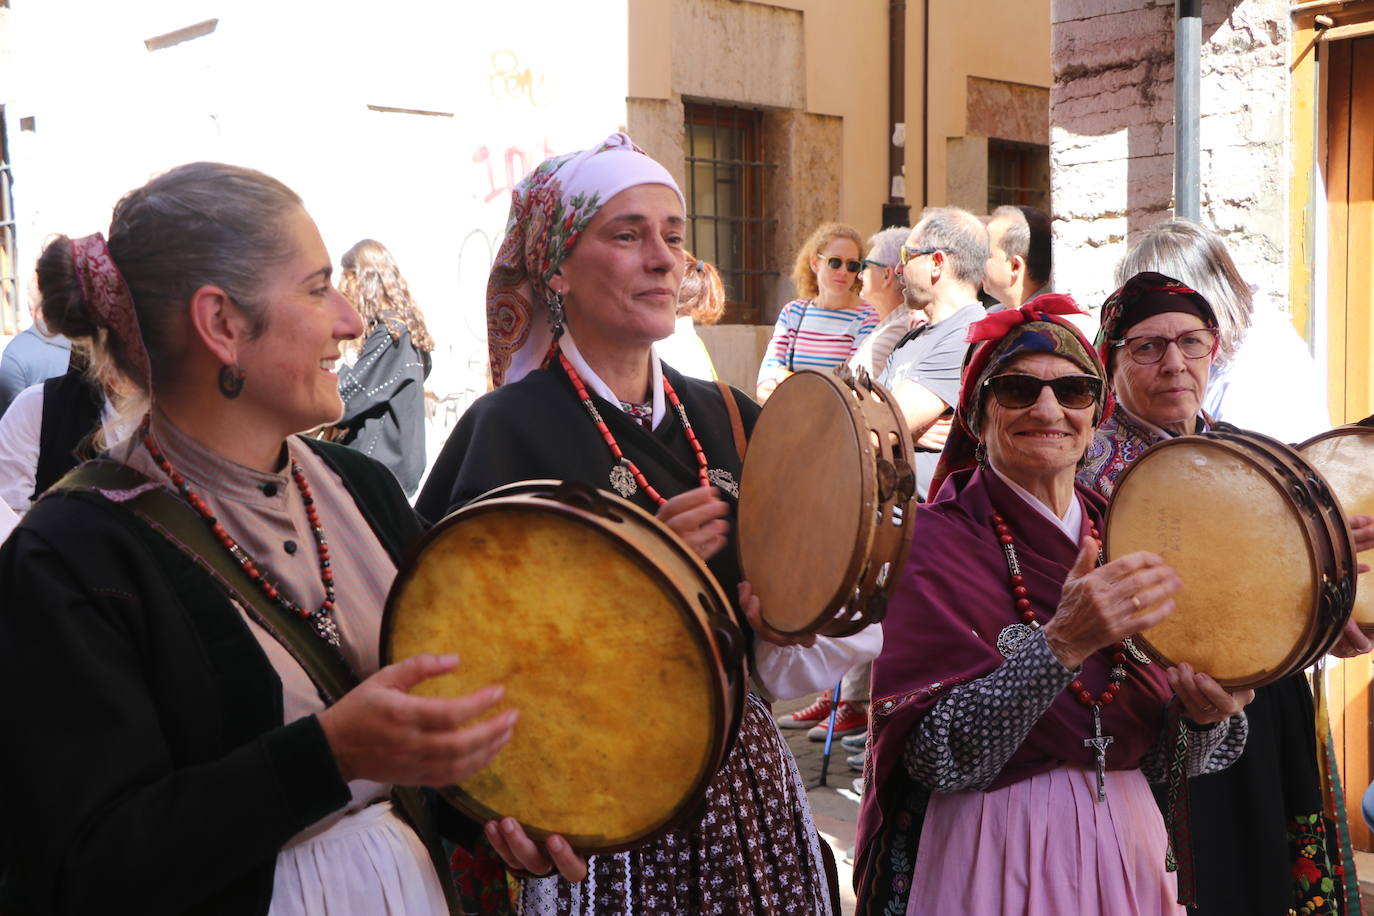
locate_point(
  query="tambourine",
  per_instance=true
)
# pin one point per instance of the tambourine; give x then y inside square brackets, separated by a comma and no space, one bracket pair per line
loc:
[827,502]
[1345,457]
[613,640]
[1261,545]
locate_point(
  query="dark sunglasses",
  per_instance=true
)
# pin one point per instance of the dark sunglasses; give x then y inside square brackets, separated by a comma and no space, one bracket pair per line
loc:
[1015,391]
[1146,351]
[850,265]
[911,254]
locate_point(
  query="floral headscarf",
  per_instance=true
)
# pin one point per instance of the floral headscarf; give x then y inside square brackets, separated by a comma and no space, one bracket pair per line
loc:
[1001,337]
[1142,296]
[549,209]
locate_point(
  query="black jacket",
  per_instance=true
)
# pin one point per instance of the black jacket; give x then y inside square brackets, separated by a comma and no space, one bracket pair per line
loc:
[384,404]
[146,765]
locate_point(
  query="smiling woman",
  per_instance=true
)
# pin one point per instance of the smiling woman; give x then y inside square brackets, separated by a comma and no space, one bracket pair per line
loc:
[209,595]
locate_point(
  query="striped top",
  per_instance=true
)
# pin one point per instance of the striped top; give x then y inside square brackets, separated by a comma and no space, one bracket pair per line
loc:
[807,336]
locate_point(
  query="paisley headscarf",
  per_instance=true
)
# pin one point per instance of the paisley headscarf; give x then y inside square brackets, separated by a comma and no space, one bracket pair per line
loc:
[1143,296]
[549,209]
[1036,327]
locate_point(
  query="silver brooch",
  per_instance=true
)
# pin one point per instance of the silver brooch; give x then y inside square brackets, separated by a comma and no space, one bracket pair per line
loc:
[622,481]
[1012,638]
[719,477]
[1135,652]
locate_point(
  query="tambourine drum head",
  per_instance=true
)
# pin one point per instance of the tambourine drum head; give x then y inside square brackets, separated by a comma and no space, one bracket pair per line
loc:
[804,453]
[1347,463]
[1240,548]
[614,732]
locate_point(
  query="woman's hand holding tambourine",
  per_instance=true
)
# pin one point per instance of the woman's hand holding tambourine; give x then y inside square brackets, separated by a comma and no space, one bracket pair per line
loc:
[524,857]
[1204,700]
[698,517]
[753,613]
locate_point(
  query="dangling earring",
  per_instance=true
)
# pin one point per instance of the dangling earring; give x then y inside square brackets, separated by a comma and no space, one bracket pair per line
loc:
[231,381]
[555,311]
[980,455]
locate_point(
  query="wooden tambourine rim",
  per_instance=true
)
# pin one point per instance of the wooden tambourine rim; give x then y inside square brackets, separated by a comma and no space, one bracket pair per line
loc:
[1340,432]
[727,701]
[1299,651]
[869,488]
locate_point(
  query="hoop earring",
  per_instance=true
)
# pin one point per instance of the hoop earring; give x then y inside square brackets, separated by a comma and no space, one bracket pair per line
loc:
[555,305]
[231,381]
[980,455]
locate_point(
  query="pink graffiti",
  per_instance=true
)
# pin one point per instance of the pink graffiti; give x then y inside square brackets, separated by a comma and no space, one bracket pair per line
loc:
[519,162]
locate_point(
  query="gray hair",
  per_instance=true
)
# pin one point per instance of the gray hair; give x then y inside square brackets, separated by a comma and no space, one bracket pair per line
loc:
[887,244]
[1196,256]
[1027,237]
[959,234]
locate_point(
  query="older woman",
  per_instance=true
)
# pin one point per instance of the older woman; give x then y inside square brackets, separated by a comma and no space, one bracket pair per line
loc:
[825,323]
[195,719]
[582,395]
[1261,843]
[1014,724]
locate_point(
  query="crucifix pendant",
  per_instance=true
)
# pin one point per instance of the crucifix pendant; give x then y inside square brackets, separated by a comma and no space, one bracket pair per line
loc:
[1098,742]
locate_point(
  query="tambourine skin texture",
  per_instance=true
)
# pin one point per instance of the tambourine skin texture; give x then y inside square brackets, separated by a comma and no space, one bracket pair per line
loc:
[623,714]
[826,503]
[1345,457]
[1243,551]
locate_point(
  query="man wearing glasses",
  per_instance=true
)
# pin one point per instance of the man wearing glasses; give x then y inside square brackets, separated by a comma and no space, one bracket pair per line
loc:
[942,265]
[882,289]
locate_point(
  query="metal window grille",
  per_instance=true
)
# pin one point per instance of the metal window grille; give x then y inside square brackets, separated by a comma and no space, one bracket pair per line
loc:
[9,283]
[726,172]
[1018,174]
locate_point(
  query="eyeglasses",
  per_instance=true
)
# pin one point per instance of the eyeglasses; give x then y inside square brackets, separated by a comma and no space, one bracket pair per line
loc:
[1015,391]
[1146,351]
[875,263]
[911,254]
[850,265]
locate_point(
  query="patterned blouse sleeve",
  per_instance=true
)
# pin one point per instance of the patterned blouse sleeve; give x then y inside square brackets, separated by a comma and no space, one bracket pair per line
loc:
[775,357]
[1210,750]
[970,734]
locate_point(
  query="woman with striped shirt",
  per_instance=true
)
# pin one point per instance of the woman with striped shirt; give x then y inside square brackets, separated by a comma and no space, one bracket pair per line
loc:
[822,328]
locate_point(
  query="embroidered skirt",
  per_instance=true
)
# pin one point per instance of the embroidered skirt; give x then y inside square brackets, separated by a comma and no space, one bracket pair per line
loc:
[1045,846]
[753,852]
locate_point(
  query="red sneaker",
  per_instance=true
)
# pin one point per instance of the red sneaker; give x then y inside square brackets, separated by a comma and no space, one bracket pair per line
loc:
[850,719]
[818,711]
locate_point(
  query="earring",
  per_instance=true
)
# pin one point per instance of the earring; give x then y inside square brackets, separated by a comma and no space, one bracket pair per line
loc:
[555,311]
[231,381]
[980,455]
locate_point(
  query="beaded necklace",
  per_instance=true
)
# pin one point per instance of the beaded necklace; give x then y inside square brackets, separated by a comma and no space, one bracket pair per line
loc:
[322,619]
[1012,637]
[626,472]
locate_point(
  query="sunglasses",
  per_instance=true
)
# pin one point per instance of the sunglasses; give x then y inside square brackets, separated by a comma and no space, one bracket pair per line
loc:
[850,265]
[1146,351]
[875,263]
[1015,391]
[911,254]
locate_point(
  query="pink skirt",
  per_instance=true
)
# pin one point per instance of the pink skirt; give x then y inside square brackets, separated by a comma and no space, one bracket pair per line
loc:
[1045,847]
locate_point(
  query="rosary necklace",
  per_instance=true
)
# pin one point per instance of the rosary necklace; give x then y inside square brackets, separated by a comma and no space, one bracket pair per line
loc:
[323,618]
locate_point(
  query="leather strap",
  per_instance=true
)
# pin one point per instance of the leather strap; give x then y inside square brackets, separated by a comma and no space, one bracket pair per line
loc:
[183,528]
[736,421]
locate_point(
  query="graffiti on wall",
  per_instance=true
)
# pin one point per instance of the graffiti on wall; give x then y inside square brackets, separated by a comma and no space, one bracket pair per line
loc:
[509,81]
[513,162]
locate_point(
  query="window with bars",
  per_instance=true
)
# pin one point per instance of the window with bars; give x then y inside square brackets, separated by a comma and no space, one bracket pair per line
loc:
[726,171]
[1018,174]
[9,282]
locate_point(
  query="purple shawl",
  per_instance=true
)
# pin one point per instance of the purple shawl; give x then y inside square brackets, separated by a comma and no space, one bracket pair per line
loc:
[941,630]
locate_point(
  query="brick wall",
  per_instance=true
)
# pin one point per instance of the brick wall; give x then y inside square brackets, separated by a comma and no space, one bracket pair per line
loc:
[1112,134]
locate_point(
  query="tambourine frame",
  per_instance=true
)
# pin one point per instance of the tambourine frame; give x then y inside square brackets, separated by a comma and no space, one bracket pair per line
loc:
[1323,625]
[1363,430]
[713,626]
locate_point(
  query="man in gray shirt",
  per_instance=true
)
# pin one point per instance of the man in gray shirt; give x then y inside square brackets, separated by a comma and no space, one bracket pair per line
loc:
[942,265]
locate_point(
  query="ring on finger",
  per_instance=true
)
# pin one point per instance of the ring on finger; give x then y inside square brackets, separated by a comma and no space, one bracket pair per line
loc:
[1208,707]
[1136,601]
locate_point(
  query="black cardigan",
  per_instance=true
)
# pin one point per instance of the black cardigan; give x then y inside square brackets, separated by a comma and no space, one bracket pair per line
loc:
[146,767]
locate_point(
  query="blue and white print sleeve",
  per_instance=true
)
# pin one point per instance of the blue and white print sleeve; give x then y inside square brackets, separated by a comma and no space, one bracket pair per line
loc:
[1210,750]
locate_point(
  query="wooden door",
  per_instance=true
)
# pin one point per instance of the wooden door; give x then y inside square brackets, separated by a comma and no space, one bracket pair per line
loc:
[1350,311]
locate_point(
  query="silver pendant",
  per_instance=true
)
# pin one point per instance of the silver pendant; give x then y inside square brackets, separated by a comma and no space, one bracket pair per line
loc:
[1012,638]
[622,481]
[327,628]
[719,477]
[1134,652]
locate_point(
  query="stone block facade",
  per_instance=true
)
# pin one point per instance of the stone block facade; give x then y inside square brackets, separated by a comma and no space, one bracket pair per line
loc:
[1112,135]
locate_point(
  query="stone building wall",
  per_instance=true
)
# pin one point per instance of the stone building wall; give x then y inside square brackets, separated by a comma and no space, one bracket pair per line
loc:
[1112,135]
